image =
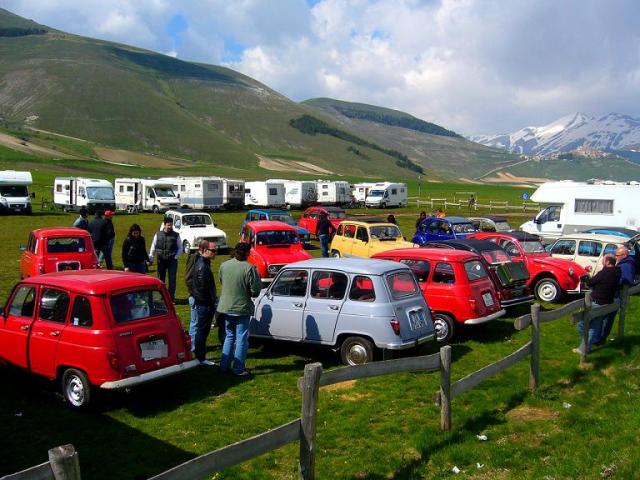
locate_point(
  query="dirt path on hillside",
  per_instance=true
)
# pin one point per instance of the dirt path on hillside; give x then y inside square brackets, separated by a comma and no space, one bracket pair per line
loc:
[290,166]
[127,157]
[27,147]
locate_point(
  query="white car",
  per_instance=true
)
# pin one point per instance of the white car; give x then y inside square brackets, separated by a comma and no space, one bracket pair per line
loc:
[193,226]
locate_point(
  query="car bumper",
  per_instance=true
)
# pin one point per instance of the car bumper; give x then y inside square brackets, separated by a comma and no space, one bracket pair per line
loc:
[517,301]
[150,376]
[488,318]
[405,345]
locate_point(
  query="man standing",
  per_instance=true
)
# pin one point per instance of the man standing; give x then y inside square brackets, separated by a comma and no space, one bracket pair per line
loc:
[324,230]
[98,230]
[422,216]
[110,237]
[168,246]
[203,290]
[627,277]
[240,282]
[82,221]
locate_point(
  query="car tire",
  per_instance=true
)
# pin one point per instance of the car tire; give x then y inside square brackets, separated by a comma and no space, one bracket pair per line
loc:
[335,253]
[155,209]
[186,246]
[383,205]
[76,388]
[445,328]
[356,351]
[548,290]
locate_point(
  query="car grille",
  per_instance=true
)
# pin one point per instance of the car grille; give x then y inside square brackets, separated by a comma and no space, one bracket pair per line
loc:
[274,269]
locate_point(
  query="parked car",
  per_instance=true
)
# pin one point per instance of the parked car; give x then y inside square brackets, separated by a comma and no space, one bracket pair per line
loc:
[447,228]
[57,249]
[587,249]
[551,278]
[491,223]
[193,226]
[309,219]
[256,214]
[357,238]
[618,231]
[93,328]
[509,278]
[455,284]
[273,245]
[356,306]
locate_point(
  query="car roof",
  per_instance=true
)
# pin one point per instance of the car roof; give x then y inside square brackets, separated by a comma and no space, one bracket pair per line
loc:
[455,219]
[61,231]
[364,266]
[185,210]
[94,282]
[627,231]
[327,209]
[369,223]
[430,253]
[264,225]
[269,211]
[595,236]
[493,218]
[520,236]
[472,244]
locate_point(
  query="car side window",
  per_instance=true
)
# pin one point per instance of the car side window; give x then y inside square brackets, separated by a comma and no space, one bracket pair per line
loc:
[420,268]
[262,215]
[362,289]
[81,314]
[589,249]
[54,305]
[564,247]
[329,285]
[362,234]
[177,223]
[32,244]
[23,302]
[610,249]
[443,273]
[510,247]
[340,231]
[434,227]
[292,283]
[349,231]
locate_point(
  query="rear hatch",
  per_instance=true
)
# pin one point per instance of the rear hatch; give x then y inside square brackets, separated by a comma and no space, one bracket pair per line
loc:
[512,280]
[483,298]
[68,253]
[411,310]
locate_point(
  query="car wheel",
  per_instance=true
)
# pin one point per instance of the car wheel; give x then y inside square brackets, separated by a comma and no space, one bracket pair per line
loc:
[155,209]
[444,326]
[186,246]
[548,290]
[383,205]
[335,253]
[76,388]
[356,351]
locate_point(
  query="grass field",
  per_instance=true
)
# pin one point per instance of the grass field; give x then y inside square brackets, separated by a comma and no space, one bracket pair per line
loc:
[370,429]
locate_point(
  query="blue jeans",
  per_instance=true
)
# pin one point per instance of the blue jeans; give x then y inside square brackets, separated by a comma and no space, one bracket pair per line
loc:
[138,267]
[204,317]
[105,254]
[193,322]
[237,331]
[168,265]
[324,244]
[595,329]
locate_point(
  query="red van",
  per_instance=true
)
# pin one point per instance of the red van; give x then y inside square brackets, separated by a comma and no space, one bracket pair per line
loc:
[57,249]
[455,284]
[309,219]
[93,328]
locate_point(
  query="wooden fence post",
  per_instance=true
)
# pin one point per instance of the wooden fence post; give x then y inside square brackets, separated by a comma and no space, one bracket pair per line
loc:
[65,463]
[310,386]
[445,388]
[585,327]
[534,368]
[624,302]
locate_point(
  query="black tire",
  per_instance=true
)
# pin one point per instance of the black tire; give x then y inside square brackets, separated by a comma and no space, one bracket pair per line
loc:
[155,209]
[445,327]
[335,253]
[383,205]
[356,351]
[186,247]
[76,389]
[548,290]
[29,210]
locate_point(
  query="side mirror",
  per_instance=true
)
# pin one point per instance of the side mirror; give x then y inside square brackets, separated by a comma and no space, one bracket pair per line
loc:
[22,248]
[33,195]
[537,221]
[215,224]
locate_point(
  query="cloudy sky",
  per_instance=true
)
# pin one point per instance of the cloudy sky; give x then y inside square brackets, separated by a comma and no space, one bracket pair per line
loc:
[475,66]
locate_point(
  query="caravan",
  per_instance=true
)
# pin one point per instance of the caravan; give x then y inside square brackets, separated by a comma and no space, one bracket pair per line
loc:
[386,194]
[232,194]
[14,192]
[360,192]
[145,194]
[73,193]
[264,194]
[333,193]
[298,194]
[577,206]
[197,192]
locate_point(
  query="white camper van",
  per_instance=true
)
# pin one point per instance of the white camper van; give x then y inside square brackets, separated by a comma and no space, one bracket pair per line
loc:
[14,192]
[264,194]
[387,194]
[360,192]
[145,194]
[232,194]
[197,192]
[333,193]
[73,193]
[577,206]
[298,193]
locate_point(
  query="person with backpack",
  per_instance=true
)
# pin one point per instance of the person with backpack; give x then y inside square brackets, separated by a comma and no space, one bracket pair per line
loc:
[82,221]
[134,251]
[168,247]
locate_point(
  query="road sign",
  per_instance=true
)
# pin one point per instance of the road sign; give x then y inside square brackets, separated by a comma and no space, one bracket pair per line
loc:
[525,196]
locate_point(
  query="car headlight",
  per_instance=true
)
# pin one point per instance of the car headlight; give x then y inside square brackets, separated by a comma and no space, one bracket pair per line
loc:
[272,269]
[571,272]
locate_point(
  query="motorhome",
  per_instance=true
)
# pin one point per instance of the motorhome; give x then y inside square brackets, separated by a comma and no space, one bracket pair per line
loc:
[204,193]
[297,193]
[577,206]
[333,192]
[387,194]
[73,193]
[360,191]
[232,194]
[264,194]
[143,194]
[14,192]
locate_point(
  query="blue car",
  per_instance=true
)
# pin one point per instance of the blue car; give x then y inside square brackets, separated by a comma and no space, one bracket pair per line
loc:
[618,231]
[447,228]
[278,216]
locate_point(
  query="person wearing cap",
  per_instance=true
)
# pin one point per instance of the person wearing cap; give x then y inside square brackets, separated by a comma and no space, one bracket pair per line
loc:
[203,291]
[168,247]
[82,221]
[239,281]
[110,238]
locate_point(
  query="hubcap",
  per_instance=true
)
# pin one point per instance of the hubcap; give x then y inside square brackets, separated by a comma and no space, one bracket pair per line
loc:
[75,391]
[547,292]
[442,329]
[357,355]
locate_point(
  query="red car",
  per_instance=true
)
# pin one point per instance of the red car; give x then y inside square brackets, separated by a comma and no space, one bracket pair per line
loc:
[309,219]
[93,328]
[455,284]
[273,245]
[57,249]
[551,278]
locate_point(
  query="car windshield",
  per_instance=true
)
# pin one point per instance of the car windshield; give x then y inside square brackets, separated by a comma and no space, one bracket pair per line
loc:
[136,305]
[191,220]
[532,246]
[503,226]
[277,237]
[463,227]
[13,191]
[390,232]
[288,219]
[164,192]
[496,256]
[376,193]
[100,193]
[337,215]
[66,245]
[402,284]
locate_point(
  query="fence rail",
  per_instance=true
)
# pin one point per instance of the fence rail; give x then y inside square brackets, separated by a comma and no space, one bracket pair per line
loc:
[486,204]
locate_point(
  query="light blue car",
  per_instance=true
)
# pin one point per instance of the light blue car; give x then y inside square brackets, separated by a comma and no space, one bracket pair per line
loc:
[279,216]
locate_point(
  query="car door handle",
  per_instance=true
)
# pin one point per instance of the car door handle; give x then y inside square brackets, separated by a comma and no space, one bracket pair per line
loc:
[297,305]
[55,333]
[24,327]
[334,307]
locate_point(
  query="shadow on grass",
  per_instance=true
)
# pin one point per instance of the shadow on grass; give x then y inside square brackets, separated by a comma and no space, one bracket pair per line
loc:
[492,332]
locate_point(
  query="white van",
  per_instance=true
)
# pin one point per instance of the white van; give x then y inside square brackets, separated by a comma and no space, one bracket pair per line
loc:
[197,192]
[333,192]
[360,191]
[298,193]
[387,194]
[232,194]
[14,192]
[577,206]
[73,193]
[264,194]
[145,194]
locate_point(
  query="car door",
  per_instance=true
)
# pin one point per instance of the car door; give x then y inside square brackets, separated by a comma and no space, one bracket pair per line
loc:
[14,333]
[29,260]
[279,313]
[361,243]
[326,296]
[589,255]
[47,330]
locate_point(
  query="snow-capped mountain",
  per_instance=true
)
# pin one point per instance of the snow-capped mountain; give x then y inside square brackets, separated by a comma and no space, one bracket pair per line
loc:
[610,132]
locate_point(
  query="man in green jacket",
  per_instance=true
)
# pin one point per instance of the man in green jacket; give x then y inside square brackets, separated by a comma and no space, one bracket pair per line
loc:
[240,282]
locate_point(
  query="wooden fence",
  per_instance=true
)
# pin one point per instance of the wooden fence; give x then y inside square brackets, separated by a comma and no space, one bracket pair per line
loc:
[491,205]
[63,464]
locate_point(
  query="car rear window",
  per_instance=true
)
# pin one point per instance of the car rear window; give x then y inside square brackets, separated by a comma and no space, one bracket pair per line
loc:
[402,284]
[131,306]
[66,245]
[475,270]
[496,256]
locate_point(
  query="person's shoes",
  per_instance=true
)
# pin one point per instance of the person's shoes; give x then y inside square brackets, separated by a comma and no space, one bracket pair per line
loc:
[243,373]
[207,363]
[577,350]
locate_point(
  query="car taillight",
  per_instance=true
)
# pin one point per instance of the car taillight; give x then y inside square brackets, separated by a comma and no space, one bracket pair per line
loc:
[41,268]
[472,303]
[395,325]
[187,341]
[588,268]
[500,295]
[113,361]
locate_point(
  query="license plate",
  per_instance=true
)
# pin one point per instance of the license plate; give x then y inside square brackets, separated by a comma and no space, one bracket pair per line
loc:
[154,349]
[68,266]
[417,320]
[488,299]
